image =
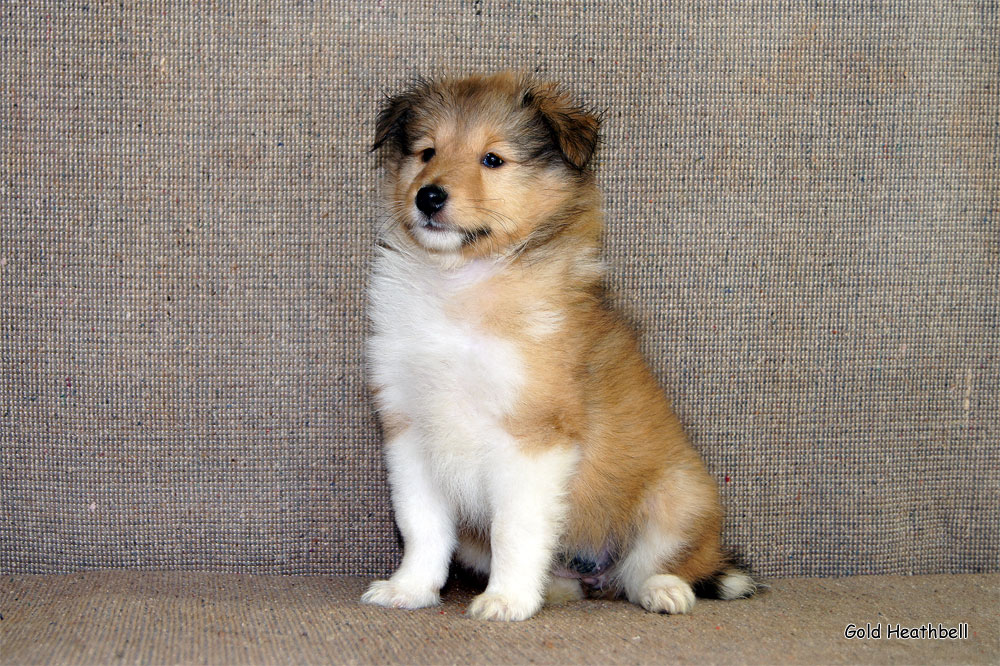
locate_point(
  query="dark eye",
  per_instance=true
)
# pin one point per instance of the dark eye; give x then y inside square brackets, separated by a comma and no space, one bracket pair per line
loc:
[427,154]
[492,160]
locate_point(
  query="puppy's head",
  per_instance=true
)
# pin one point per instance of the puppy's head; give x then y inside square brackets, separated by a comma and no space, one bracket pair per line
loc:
[485,165]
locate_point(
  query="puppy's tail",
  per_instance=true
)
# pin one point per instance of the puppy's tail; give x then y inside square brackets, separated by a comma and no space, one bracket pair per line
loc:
[730,583]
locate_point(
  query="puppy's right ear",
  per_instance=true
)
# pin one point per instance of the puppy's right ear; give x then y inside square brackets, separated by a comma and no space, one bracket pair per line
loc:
[390,127]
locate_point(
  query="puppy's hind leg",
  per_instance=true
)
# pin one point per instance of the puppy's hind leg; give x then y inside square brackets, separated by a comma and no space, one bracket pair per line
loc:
[660,573]
[562,591]
[473,553]
[677,544]
[643,573]
[427,524]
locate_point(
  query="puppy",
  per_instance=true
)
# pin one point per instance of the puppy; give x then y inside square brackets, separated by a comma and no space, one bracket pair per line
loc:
[524,433]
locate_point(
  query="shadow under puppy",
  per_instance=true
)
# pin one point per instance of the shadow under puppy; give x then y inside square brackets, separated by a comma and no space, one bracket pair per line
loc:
[525,435]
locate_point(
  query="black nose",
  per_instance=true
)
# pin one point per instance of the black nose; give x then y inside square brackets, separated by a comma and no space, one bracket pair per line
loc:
[430,199]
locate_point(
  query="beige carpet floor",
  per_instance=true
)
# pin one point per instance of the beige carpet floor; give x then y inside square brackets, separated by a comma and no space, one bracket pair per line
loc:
[109,617]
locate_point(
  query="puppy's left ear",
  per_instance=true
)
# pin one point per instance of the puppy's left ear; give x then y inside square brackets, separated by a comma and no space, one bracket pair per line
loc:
[391,123]
[575,130]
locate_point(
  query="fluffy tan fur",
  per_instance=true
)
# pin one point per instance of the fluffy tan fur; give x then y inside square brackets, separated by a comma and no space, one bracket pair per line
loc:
[586,385]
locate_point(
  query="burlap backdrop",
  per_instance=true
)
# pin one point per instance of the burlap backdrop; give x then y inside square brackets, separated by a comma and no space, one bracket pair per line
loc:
[802,218]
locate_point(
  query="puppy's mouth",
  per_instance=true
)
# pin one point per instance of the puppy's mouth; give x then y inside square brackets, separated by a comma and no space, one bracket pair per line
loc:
[442,234]
[431,224]
[469,236]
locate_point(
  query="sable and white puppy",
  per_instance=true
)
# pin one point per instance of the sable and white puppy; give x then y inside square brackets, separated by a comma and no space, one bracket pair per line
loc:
[524,433]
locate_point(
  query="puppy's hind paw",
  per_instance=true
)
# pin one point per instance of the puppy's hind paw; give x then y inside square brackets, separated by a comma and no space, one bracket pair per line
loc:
[562,591]
[391,594]
[666,593]
[492,606]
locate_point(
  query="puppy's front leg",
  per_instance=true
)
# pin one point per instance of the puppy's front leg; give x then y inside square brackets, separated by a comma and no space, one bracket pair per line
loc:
[528,500]
[427,524]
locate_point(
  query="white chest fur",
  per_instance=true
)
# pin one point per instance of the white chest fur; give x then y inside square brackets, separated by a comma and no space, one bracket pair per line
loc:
[450,385]
[446,376]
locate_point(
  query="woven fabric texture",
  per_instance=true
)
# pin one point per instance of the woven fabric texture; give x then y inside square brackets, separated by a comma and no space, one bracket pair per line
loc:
[801,220]
[184,617]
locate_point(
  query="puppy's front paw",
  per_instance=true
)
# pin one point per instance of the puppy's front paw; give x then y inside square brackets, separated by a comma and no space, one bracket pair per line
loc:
[492,606]
[392,594]
[666,593]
